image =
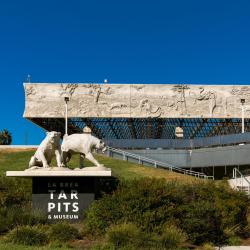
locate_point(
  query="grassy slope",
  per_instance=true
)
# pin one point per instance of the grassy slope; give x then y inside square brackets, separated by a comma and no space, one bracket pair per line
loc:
[18,160]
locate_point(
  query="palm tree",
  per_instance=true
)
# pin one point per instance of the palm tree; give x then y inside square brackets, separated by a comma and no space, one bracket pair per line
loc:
[5,137]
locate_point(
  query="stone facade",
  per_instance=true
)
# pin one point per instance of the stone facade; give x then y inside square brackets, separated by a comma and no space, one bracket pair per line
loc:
[136,100]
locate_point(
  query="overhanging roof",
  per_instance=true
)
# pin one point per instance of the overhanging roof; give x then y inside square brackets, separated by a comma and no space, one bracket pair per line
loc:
[139,111]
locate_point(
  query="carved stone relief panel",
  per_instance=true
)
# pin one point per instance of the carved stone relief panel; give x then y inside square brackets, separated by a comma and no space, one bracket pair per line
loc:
[136,100]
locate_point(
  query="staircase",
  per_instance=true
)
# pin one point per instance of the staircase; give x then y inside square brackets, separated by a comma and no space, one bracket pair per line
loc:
[134,158]
[240,182]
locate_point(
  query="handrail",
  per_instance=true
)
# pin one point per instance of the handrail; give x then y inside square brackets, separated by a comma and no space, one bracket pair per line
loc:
[158,163]
[242,177]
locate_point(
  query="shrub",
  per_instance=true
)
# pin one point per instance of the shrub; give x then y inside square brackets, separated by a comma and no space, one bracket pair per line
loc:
[202,210]
[63,232]
[27,235]
[171,238]
[209,210]
[146,202]
[202,222]
[105,246]
[234,241]
[15,216]
[124,235]
[14,192]
[206,246]
[5,137]
[129,236]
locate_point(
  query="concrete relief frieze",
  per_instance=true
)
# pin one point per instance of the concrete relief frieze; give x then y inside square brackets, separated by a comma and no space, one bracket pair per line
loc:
[68,89]
[241,91]
[136,100]
[138,87]
[30,90]
[205,99]
[96,90]
[118,106]
[179,97]
[148,109]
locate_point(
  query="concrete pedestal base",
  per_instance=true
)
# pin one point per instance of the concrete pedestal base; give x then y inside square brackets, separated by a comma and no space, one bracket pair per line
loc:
[63,194]
[55,171]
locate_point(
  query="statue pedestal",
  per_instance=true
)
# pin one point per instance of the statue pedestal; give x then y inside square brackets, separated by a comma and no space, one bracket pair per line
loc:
[64,194]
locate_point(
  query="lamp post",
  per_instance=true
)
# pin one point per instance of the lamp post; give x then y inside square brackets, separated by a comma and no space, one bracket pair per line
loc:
[242,115]
[66,99]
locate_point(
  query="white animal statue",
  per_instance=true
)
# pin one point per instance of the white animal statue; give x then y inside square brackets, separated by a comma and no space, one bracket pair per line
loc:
[49,147]
[82,144]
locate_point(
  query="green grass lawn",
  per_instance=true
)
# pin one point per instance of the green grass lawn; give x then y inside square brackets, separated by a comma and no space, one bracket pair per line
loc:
[18,160]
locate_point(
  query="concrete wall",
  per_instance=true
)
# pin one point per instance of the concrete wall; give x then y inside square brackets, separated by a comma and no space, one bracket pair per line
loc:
[205,157]
[221,156]
[178,158]
[199,142]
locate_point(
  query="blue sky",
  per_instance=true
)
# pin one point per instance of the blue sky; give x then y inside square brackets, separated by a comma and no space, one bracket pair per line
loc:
[123,41]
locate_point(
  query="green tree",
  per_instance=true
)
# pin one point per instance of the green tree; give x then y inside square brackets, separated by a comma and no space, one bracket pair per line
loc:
[5,137]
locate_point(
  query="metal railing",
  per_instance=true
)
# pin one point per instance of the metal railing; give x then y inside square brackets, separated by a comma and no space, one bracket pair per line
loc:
[241,183]
[141,160]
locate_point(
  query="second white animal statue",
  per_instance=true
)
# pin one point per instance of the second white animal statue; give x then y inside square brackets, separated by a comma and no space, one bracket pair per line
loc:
[82,144]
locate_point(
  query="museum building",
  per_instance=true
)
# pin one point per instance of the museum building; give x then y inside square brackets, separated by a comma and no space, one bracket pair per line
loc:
[203,127]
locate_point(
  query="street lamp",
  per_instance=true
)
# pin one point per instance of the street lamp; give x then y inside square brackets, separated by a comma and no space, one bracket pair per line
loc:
[66,99]
[242,115]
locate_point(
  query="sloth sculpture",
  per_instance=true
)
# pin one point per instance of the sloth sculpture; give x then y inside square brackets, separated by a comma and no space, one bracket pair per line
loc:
[82,144]
[49,147]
